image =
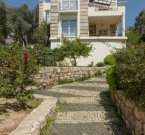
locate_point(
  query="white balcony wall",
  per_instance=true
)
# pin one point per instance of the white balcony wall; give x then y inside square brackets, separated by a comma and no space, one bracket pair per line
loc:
[118,12]
[102,46]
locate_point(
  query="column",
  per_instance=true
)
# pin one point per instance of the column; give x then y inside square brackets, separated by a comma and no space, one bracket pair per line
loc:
[123,25]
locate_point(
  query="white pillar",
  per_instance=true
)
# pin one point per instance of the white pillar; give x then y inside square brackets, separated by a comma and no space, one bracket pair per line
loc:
[78,19]
[123,25]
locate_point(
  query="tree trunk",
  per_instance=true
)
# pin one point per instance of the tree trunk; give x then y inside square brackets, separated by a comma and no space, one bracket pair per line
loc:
[75,62]
[24,43]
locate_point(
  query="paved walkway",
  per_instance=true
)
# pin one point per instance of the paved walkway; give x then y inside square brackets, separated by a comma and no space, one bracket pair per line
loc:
[87,109]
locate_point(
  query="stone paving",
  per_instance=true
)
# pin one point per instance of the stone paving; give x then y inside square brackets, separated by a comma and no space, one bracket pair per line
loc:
[87,109]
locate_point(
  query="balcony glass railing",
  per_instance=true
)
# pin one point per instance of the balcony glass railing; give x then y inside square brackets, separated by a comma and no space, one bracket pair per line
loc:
[107,32]
[68,5]
[103,5]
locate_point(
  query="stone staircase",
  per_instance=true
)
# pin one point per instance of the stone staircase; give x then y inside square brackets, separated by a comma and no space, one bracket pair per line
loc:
[87,109]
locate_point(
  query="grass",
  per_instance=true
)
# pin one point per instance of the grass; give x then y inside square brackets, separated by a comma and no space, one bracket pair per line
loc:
[46,130]
[49,122]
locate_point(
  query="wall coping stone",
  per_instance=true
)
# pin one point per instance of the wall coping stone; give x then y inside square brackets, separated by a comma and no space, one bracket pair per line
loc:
[32,124]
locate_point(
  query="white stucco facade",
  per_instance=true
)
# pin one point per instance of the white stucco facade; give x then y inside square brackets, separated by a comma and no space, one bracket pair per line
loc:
[101,48]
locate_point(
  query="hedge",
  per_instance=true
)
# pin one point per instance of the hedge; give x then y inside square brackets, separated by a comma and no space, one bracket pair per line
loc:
[128,74]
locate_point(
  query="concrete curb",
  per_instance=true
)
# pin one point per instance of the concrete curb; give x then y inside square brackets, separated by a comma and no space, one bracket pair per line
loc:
[35,121]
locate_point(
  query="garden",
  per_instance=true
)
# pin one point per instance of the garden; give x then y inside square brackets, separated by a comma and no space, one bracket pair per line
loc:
[30,50]
[128,70]
[21,59]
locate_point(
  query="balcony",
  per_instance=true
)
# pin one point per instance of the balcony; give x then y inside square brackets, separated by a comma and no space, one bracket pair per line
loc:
[98,8]
[103,5]
[68,6]
[104,32]
[111,26]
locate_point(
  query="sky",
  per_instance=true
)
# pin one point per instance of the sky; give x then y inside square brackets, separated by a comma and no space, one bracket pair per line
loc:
[132,10]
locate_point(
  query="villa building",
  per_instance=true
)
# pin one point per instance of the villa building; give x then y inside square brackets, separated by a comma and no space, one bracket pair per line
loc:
[101,22]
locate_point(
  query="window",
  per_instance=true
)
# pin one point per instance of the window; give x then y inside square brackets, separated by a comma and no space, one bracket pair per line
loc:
[47,1]
[69,28]
[69,4]
[103,32]
[100,32]
[47,15]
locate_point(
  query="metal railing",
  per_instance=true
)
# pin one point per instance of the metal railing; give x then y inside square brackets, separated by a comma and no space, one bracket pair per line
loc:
[103,5]
[105,32]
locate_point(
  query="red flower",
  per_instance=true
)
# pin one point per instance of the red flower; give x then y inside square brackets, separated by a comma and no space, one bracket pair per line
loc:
[25,56]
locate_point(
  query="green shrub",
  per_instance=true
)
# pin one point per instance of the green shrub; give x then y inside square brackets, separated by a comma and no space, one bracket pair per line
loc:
[129,72]
[46,56]
[15,74]
[98,73]
[84,77]
[111,78]
[64,81]
[109,60]
[2,49]
[90,65]
[100,64]
[43,55]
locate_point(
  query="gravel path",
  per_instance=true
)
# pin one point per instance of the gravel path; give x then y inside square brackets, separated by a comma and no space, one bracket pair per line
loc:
[87,109]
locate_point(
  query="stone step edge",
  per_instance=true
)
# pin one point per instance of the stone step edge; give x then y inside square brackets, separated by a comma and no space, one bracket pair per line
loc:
[36,120]
[78,117]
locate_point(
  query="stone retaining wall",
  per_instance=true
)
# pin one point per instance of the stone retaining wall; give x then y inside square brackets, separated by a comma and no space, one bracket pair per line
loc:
[52,75]
[133,117]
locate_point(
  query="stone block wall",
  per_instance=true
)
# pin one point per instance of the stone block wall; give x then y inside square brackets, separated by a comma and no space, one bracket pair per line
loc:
[84,27]
[51,75]
[133,117]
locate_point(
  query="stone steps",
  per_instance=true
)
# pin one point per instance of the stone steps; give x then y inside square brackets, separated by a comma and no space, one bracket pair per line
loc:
[87,109]
[79,100]
[86,84]
[84,117]
[84,93]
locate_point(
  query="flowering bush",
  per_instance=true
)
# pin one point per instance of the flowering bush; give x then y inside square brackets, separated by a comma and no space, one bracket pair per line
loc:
[15,74]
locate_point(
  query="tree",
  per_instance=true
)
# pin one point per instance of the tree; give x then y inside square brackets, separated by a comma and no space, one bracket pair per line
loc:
[24,21]
[35,13]
[74,49]
[58,55]
[134,38]
[140,24]
[3,20]
[42,34]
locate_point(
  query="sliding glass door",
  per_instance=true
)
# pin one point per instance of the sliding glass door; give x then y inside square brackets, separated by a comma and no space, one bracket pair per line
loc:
[69,28]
